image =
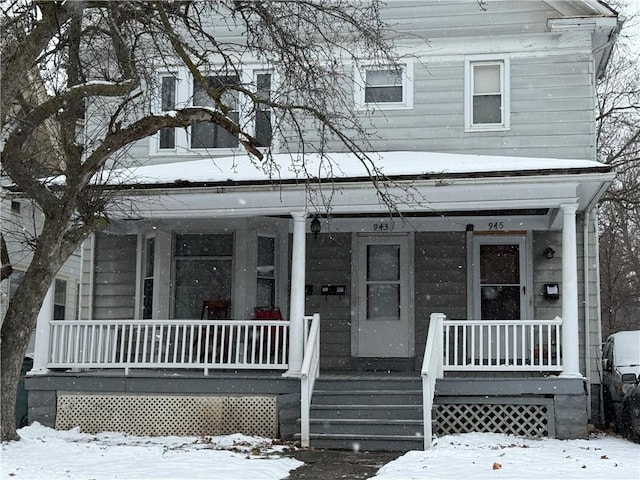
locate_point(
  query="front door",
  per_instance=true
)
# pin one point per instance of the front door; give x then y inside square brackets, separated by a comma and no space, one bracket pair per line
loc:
[500,294]
[500,277]
[384,322]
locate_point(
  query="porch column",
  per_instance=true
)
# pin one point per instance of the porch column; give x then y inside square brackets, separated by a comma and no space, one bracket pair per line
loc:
[297,305]
[570,341]
[43,330]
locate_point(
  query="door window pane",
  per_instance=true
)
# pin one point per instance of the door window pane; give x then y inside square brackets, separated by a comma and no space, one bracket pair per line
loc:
[500,282]
[383,262]
[500,302]
[383,302]
[499,264]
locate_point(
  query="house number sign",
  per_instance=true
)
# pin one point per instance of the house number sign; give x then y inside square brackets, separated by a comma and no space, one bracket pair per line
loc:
[495,225]
[382,227]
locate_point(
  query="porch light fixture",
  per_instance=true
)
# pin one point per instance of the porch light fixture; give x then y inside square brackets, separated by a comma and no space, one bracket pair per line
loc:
[315,227]
[548,253]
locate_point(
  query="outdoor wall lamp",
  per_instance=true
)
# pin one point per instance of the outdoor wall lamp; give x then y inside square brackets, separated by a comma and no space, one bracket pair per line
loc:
[548,253]
[315,227]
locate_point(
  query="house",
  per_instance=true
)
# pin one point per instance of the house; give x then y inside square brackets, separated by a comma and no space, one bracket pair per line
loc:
[225,299]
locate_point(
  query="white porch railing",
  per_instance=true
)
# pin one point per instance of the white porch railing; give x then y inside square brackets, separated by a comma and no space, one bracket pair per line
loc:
[502,345]
[431,371]
[309,372]
[206,344]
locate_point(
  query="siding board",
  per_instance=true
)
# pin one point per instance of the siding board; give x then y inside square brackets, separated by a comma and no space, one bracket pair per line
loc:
[114,277]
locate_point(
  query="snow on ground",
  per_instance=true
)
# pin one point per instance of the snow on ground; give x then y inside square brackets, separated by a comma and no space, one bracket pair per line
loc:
[480,456]
[48,454]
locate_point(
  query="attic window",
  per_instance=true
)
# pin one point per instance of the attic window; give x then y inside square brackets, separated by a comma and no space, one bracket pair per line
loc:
[16,207]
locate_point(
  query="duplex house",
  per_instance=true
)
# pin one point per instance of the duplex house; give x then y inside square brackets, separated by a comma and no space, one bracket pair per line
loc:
[225,298]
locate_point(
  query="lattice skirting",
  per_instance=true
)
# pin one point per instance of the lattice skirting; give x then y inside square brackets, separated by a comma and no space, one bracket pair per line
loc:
[524,419]
[157,415]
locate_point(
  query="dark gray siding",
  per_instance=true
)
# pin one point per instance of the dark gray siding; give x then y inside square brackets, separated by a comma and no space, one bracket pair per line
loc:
[329,263]
[440,280]
[114,277]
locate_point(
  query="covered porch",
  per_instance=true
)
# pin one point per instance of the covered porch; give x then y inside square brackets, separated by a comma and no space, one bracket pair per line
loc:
[448,208]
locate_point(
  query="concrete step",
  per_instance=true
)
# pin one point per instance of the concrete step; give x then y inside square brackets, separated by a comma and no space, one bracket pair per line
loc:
[368,382]
[367,412]
[365,427]
[399,412]
[359,443]
[367,397]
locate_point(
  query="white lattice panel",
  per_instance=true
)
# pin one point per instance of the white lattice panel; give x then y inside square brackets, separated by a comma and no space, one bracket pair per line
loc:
[524,420]
[157,415]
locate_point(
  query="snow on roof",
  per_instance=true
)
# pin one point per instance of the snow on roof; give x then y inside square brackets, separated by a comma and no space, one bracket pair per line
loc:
[282,167]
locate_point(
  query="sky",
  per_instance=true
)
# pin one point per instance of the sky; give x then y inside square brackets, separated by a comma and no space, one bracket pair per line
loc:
[47,454]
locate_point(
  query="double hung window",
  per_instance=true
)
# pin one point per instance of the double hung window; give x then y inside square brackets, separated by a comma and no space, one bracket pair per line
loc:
[266,272]
[167,136]
[59,299]
[487,94]
[384,87]
[178,90]
[210,135]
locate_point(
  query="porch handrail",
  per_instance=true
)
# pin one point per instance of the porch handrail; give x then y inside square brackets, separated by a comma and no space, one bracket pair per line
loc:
[432,370]
[308,375]
[206,344]
[502,345]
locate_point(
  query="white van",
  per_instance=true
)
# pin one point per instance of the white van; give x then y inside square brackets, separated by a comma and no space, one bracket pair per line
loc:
[620,370]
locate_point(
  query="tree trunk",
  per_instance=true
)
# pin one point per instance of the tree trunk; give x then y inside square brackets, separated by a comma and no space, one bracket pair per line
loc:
[51,252]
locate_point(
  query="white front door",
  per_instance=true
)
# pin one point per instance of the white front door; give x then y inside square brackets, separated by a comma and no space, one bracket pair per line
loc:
[384,320]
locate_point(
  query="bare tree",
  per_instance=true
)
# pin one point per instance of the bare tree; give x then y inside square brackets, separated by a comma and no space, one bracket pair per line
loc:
[63,62]
[618,134]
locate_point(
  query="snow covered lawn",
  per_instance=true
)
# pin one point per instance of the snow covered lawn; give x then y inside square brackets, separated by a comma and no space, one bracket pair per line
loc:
[47,454]
[480,456]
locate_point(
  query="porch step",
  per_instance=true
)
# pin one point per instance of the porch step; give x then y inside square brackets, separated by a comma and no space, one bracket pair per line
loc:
[367,412]
[359,411]
[391,443]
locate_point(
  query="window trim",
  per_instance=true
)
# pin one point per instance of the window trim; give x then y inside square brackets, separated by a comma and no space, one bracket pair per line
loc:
[505,87]
[407,87]
[184,98]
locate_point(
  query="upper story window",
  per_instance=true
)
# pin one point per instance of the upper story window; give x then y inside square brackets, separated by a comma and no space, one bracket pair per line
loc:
[384,88]
[178,89]
[210,135]
[262,128]
[487,93]
[167,136]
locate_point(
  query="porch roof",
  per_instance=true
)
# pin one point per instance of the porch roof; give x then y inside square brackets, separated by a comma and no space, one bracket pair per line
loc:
[285,168]
[341,182]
